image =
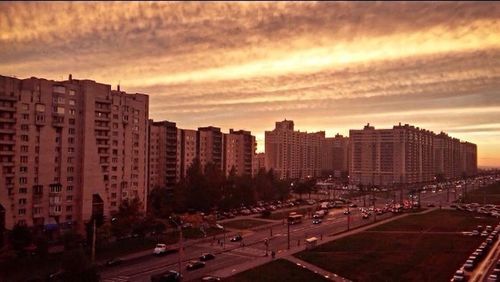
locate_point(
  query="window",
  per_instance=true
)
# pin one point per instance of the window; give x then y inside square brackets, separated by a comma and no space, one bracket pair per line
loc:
[69,188]
[25,127]
[71,140]
[59,110]
[21,212]
[26,116]
[71,150]
[70,179]
[23,180]
[70,169]
[24,138]
[69,208]
[71,102]
[22,201]
[69,198]
[59,89]
[72,121]
[24,149]
[72,92]
[72,112]
[25,107]
[70,160]
[23,169]
[40,108]
[71,131]
[23,190]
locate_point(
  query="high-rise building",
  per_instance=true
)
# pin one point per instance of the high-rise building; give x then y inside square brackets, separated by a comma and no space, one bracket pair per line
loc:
[469,158]
[187,145]
[403,154]
[293,154]
[163,154]
[259,162]
[239,148]
[210,147]
[336,155]
[69,150]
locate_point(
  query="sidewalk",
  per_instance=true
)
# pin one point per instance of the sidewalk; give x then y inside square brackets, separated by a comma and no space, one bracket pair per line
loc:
[316,269]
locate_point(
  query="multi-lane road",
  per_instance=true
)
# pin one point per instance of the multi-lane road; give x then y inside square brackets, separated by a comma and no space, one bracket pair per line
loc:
[233,254]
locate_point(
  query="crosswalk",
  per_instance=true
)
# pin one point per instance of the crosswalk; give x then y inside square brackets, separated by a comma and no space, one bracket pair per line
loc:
[120,278]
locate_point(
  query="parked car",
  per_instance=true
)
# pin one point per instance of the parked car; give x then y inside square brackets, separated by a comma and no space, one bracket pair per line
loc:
[317,221]
[114,261]
[210,278]
[195,264]
[160,249]
[207,256]
[168,276]
[236,238]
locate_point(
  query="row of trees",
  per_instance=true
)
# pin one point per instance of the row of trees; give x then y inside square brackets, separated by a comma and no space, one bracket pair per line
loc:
[207,187]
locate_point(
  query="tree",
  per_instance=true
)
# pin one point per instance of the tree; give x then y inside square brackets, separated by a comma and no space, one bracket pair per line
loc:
[160,202]
[127,218]
[20,237]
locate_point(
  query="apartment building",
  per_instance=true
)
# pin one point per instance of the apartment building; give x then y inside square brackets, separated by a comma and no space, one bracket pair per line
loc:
[163,147]
[69,150]
[404,154]
[293,154]
[239,148]
[187,144]
[259,162]
[209,146]
[336,155]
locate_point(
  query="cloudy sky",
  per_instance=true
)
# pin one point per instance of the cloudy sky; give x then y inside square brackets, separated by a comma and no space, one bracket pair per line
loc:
[327,66]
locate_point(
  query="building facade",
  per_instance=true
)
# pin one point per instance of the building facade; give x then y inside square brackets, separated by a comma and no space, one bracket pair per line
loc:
[294,154]
[259,162]
[163,147]
[239,149]
[336,155]
[404,154]
[69,150]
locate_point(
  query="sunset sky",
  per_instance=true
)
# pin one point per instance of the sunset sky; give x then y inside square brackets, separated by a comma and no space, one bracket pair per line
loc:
[327,66]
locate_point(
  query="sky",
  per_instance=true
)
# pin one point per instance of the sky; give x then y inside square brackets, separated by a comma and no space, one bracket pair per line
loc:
[245,65]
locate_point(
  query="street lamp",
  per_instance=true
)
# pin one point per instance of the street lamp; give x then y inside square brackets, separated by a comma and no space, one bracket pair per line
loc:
[179,226]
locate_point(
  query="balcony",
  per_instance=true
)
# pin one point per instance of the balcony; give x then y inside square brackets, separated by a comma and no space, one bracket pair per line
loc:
[101,127]
[5,97]
[102,137]
[38,215]
[102,118]
[7,130]
[7,108]
[53,212]
[7,142]
[40,119]
[7,153]
[8,119]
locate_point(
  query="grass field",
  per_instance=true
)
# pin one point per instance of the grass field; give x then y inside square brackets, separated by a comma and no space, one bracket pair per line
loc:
[488,195]
[278,270]
[438,221]
[409,255]
[244,223]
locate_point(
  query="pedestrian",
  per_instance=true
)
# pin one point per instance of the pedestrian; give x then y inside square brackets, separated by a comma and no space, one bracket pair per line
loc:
[273,254]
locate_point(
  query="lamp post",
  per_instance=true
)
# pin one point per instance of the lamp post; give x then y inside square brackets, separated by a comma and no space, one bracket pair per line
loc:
[179,226]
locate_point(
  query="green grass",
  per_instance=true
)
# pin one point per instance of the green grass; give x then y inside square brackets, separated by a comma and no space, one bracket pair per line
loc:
[372,256]
[488,195]
[244,223]
[278,270]
[438,221]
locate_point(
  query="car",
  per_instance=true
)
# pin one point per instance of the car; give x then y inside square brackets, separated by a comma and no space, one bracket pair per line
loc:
[160,249]
[492,277]
[353,205]
[475,233]
[195,264]
[468,265]
[210,278]
[346,212]
[431,205]
[236,238]
[114,261]
[366,215]
[458,278]
[317,221]
[168,276]
[207,256]
[484,234]
[56,276]
[496,271]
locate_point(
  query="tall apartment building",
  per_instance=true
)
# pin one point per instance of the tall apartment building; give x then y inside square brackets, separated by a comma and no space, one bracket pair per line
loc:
[293,154]
[187,145]
[163,168]
[403,154]
[468,152]
[69,150]
[336,155]
[259,162]
[210,148]
[239,148]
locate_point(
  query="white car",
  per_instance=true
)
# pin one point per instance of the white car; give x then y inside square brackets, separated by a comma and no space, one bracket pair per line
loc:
[160,249]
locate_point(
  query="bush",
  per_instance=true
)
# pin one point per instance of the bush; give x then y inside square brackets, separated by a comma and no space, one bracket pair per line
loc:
[266,214]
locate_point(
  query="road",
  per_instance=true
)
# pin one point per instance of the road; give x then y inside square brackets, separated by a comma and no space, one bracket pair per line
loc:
[233,254]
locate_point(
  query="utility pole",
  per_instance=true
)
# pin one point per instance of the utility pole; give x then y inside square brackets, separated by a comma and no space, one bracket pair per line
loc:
[180,249]
[93,240]
[348,218]
[288,234]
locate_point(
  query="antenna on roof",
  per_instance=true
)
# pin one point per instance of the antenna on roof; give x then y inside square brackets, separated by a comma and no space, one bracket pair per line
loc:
[118,87]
